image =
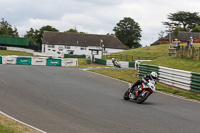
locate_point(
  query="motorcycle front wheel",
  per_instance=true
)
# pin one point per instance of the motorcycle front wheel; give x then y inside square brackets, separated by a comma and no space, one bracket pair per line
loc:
[126,95]
[141,98]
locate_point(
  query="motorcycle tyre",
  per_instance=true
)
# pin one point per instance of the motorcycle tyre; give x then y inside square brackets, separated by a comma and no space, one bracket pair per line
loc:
[126,95]
[139,101]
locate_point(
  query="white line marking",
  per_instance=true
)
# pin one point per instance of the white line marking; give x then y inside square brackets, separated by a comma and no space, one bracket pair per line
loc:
[22,123]
[180,97]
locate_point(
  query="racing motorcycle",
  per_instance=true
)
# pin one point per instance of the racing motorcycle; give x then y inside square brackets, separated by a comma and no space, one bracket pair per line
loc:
[145,90]
[116,64]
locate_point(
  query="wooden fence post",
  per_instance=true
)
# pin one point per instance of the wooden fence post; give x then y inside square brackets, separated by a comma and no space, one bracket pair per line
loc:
[192,52]
[199,53]
[182,52]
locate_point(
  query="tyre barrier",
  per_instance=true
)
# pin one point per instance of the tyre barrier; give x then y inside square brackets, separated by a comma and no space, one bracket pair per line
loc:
[178,78]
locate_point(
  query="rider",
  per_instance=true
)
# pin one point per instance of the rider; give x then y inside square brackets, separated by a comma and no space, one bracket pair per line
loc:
[113,60]
[145,78]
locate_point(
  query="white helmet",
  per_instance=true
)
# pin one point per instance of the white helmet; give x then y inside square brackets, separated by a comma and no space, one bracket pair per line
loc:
[154,75]
[113,58]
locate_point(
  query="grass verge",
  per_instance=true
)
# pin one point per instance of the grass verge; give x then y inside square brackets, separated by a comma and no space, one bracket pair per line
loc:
[9,126]
[131,76]
[7,52]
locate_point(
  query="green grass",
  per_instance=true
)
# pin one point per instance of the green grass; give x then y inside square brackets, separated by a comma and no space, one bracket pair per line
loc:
[161,51]
[7,52]
[4,129]
[130,76]
[176,63]
[9,126]
[151,51]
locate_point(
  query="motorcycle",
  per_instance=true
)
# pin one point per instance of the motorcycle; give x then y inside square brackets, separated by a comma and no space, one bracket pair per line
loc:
[146,89]
[116,64]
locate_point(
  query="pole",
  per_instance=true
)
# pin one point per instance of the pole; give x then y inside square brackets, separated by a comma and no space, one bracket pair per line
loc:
[199,53]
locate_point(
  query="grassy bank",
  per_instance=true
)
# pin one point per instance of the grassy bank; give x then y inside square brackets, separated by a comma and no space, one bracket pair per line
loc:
[151,51]
[131,76]
[176,63]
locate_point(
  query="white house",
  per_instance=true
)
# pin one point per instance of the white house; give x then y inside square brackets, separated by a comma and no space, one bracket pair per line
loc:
[60,43]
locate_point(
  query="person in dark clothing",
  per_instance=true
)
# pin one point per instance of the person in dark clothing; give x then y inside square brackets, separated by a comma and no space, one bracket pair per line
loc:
[145,78]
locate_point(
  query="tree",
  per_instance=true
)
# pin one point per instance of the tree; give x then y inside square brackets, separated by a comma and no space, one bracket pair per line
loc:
[41,31]
[35,36]
[7,30]
[186,21]
[74,31]
[176,32]
[196,28]
[128,32]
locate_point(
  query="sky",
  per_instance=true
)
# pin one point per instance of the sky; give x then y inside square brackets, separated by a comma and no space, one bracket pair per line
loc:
[93,16]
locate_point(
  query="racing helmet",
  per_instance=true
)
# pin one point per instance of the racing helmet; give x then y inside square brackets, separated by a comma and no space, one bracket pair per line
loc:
[113,59]
[154,75]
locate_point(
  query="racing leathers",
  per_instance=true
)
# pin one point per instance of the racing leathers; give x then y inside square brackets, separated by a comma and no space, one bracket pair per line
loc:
[145,78]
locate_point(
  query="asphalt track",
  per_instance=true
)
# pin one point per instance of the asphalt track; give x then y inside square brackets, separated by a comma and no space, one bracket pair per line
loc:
[69,100]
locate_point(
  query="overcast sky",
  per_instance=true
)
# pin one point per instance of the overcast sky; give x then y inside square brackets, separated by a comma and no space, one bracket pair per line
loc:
[93,16]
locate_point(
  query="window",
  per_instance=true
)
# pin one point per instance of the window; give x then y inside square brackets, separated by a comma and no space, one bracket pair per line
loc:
[83,48]
[50,46]
[95,52]
[67,47]
[60,48]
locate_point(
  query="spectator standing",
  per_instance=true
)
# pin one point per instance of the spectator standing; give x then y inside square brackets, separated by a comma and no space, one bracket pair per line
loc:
[188,44]
[191,42]
[176,43]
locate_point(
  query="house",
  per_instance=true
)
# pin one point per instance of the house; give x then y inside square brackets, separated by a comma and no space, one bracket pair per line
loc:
[183,37]
[60,43]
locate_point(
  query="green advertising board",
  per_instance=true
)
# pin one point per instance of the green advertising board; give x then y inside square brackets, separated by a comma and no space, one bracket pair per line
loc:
[14,41]
[53,62]
[23,61]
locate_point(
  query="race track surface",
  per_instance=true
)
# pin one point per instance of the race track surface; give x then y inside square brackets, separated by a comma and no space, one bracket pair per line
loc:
[69,100]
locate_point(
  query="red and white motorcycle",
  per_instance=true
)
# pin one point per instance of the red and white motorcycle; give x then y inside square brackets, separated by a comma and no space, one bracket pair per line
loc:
[146,89]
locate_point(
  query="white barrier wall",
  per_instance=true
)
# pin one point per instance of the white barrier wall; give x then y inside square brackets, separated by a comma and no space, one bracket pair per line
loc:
[9,59]
[137,63]
[39,61]
[175,77]
[69,62]
[20,49]
[123,64]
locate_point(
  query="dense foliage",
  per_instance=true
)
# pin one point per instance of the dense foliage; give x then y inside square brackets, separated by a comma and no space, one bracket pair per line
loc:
[128,32]
[184,21]
[7,29]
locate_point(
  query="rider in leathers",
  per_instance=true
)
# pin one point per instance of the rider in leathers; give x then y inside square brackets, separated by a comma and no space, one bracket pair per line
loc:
[145,78]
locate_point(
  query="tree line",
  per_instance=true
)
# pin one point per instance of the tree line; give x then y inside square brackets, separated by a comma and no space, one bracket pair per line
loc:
[126,30]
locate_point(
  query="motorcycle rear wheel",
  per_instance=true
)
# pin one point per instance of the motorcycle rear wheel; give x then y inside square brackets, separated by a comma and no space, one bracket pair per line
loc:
[141,98]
